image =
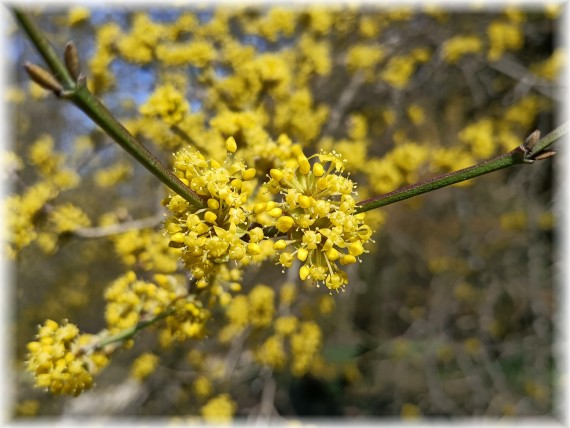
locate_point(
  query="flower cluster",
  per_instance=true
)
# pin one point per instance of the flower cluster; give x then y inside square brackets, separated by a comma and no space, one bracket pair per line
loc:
[130,300]
[318,215]
[212,234]
[167,103]
[61,361]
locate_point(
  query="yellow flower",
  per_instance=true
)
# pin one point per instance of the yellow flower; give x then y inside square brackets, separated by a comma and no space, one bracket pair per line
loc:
[61,359]
[78,15]
[364,57]
[144,365]
[305,345]
[198,53]
[551,68]
[202,387]
[503,36]
[167,103]
[272,353]
[261,305]
[410,411]
[67,218]
[211,237]
[455,48]
[399,71]
[320,202]
[219,409]
[479,136]
[286,325]
[112,175]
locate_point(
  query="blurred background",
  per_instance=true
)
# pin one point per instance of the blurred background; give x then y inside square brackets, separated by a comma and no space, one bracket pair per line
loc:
[450,314]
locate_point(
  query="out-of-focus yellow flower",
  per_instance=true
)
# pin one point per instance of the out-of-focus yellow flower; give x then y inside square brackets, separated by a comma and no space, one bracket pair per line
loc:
[167,103]
[219,409]
[410,411]
[261,306]
[479,136]
[202,387]
[59,360]
[272,353]
[305,345]
[144,366]
[67,218]
[78,15]
[551,68]
[364,58]
[455,48]
[503,36]
[514,220]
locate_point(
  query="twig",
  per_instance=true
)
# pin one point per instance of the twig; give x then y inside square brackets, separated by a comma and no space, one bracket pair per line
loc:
[511,68]
[343,102]
[63,84]
[115,229]
[526,153]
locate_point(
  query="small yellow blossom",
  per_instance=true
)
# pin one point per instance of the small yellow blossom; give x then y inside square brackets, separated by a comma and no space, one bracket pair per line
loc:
[479,136]
[261,306]
[67,218]
[219,409]
[365,58]
[78,15]
[399,71]
[28,408]
[320,202]
[305,345]
[286,325]
[144,365]
[197,53]
[272,353]
[503,36]
[167,103]
[210,237]
[202,387]
[551,68]
[113,175]
[410,411]
[514,220]
[60,360]
[455,48]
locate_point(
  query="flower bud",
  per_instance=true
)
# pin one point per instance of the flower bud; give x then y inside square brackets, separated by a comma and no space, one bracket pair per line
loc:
[231,145]
[71,57]
[43,78]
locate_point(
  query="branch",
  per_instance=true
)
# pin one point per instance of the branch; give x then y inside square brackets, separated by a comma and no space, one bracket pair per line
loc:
[532,149]
[114,229]
[130,332]
[63,83]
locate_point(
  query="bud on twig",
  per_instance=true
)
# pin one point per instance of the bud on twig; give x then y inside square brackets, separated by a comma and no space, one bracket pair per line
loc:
[531,140]
[545,154]
[43,78]
[71,57]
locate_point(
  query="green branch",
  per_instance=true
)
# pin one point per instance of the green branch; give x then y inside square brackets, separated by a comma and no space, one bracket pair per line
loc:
[64,85]
[526,153]
[130,332]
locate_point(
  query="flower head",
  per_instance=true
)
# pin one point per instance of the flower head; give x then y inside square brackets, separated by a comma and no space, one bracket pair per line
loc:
[212,235]
[318,215]
[60,359]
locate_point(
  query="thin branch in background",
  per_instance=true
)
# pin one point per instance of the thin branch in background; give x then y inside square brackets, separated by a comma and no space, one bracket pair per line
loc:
[115,229]
[344,100]
[517,71]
